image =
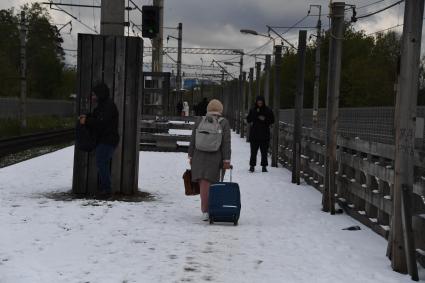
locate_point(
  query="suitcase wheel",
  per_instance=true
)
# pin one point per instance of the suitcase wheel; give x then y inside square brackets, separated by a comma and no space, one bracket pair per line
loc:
[211,220]
[235,221]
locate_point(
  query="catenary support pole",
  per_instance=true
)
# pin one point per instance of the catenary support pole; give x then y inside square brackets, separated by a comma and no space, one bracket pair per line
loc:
[334,78]
[249,100]
[402,255]
[317,71]
[258,78]
[267,79]
[243,108]
[276,105]
[299,98]
[112,17]
[157,44]
[240,96]
[179,63]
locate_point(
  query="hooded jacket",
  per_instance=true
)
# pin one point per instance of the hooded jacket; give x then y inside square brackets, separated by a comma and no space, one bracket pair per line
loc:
[104,119]
[260,119]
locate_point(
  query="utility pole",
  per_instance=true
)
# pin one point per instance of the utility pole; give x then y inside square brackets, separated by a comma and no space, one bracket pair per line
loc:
[249,100]
[403,248]
[258,78]
[299,98]
[334,77]
[23,59]
[276,105]
[267,79]
[317,70]
[112,17]
[157,41]
[243,102]
[179,62]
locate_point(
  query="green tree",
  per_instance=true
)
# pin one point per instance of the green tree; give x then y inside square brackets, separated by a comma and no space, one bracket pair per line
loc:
[367,76]
[45,54]
[9,53]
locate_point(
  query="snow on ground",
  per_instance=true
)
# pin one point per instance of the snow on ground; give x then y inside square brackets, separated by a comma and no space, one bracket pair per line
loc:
[282,234]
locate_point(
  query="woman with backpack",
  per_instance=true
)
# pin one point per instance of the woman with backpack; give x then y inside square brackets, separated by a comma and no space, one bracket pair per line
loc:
[209,150]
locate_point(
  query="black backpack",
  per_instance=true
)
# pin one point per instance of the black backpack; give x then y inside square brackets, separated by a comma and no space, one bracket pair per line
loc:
[85,139]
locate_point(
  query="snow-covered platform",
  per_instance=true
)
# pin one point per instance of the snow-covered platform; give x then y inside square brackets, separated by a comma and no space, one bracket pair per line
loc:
[282,235]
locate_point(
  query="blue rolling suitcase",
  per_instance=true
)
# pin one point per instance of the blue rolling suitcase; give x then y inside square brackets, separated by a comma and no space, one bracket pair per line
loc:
[224,201]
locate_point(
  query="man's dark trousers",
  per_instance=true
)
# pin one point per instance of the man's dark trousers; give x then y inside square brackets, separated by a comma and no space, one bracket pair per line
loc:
[104,154]
[264,147]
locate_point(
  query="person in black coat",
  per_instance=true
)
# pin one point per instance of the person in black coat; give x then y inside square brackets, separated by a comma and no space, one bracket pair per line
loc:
[260,118]
[202,107]
[179,108]
[103,122]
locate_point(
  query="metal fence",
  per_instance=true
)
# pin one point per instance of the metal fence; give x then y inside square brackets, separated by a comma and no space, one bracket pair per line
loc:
[369,123]
[9,108]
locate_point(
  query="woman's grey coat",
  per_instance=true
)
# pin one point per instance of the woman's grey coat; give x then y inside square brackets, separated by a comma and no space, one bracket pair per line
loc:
[207,165]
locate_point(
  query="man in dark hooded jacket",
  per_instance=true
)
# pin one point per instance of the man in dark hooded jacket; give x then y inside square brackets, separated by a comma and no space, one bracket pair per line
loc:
[104,124]
[202,107]
[260,118]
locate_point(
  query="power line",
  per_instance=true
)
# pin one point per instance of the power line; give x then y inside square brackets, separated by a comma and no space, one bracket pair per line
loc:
[294,25]
[379,11]
[70,5]
[367,5]
[387,29]
[135,5]
[71,15]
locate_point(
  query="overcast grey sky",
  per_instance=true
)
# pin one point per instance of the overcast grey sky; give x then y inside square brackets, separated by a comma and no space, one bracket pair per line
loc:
[216,23]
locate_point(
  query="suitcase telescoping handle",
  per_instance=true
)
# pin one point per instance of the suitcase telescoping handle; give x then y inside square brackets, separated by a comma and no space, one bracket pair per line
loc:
[223,172]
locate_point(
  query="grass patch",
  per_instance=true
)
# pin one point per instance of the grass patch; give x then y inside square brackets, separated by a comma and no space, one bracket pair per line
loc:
[12,128]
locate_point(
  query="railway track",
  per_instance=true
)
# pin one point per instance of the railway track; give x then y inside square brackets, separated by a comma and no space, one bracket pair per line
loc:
[17,144]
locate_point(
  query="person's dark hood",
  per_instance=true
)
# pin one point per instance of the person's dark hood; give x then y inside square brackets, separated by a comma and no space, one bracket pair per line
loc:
[102,92]
[260,98]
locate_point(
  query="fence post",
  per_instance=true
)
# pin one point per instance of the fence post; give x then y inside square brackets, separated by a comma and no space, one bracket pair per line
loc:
[296,145]
[402,255]
[276,105]
[334,76]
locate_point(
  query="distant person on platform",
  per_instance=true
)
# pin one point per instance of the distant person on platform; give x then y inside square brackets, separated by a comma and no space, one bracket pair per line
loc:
[202,107]
[186,109]
[260,118]
[179,108]
[103,122]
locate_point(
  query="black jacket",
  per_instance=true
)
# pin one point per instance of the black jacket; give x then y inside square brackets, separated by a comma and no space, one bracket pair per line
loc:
[104,122]
[260,119]
[202,107]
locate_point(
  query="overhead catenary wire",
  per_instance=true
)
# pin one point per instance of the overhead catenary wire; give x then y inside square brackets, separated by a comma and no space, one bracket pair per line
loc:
[384,30]
[295,25]
[379,11]
[74,17]
[367,5]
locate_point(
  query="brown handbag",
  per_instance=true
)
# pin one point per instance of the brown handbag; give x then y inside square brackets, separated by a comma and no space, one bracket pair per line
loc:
[190,188]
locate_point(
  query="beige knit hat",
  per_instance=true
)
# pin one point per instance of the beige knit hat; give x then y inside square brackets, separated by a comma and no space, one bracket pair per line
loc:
[215,106]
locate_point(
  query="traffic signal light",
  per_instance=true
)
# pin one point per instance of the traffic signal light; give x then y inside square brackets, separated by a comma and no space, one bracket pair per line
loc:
[150,21]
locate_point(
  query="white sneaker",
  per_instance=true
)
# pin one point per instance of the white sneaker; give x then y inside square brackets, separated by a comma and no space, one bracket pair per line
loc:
[205,216]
